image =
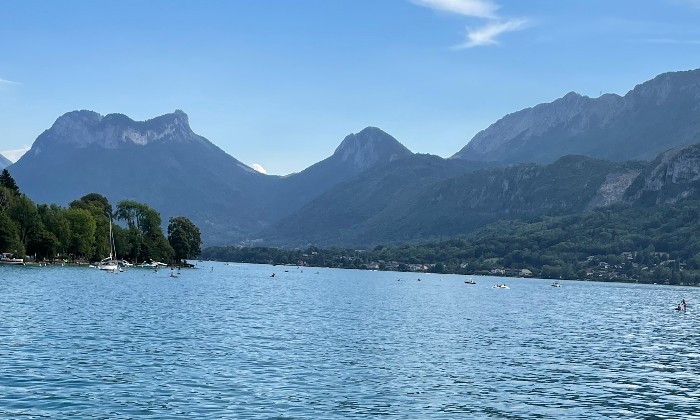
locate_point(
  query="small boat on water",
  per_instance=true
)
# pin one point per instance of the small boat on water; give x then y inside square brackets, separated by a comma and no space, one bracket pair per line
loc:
[9,259]
[153,264]
[556,284]
[110,264]
[469,281]
[500,286]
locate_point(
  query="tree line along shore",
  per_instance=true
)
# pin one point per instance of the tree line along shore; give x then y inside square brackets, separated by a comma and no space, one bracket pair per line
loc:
[622,242]
[90,229]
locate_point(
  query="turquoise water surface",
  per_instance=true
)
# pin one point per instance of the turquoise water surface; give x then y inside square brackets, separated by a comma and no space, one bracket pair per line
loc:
[229,341]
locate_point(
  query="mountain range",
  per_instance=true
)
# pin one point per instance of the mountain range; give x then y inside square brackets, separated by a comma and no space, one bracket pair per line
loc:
[653,117]
[163,163]
[4,162]
[567,156]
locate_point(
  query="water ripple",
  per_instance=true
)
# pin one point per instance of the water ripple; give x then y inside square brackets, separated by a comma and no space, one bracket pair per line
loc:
[235,343]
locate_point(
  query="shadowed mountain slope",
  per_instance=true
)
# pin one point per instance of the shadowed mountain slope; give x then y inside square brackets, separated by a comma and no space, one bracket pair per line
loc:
[653,117]
[4,162]
[162,163]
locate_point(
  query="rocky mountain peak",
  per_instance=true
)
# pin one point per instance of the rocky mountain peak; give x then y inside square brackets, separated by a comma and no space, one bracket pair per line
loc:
[75,121]
[81,129]
[369,147]
[572,97]
[524,124]
[668,86]
[654,116]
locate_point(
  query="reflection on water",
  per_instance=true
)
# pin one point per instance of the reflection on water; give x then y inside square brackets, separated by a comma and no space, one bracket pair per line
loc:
[318,343]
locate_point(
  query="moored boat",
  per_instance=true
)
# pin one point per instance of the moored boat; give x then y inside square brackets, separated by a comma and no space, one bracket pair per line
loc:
[110,264]
[153,264]
[9,258]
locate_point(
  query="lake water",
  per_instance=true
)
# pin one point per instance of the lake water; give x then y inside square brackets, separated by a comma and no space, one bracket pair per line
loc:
[229,341]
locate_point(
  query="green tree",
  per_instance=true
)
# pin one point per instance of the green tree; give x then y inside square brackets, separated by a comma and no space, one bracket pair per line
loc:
[131,212]
[43,245]
[24,213]
[157,248]
[9,236]
[93,201]
[122,246]
[146,222]
[134,249]
[8,182]
[82,229]
[54,220]
[438,268]
[184,237]
[101,211]
[6,197]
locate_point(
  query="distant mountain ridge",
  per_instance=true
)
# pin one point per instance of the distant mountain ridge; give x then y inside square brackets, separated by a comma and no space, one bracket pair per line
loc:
[423,198]
[372,189]
[163,163]
[344,213]
[428,204]
[4,162]
[653,117]
[355,154]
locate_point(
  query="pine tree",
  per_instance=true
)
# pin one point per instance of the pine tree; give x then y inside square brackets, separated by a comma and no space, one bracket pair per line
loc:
[7,181]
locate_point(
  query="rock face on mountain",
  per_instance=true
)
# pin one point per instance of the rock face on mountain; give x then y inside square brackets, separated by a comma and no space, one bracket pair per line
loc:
[4,162]
[426,197]
[81,129]
[164,164]
[653,117]
[671,177]
[367,148]
[160,162]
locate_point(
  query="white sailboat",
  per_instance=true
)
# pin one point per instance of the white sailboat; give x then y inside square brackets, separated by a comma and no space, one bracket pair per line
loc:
[110,263]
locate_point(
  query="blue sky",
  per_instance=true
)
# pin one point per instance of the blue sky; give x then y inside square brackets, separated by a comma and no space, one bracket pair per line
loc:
[280,83]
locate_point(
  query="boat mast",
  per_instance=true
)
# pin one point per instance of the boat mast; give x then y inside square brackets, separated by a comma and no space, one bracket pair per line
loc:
[112,250]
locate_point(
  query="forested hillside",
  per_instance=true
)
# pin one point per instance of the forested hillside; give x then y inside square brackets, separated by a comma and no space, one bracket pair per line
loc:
[620,242]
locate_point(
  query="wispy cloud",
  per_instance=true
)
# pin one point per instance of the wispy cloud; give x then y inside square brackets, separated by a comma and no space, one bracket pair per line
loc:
[471,8]
[8,82]
[15,154]
[7,86]
[486,34]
